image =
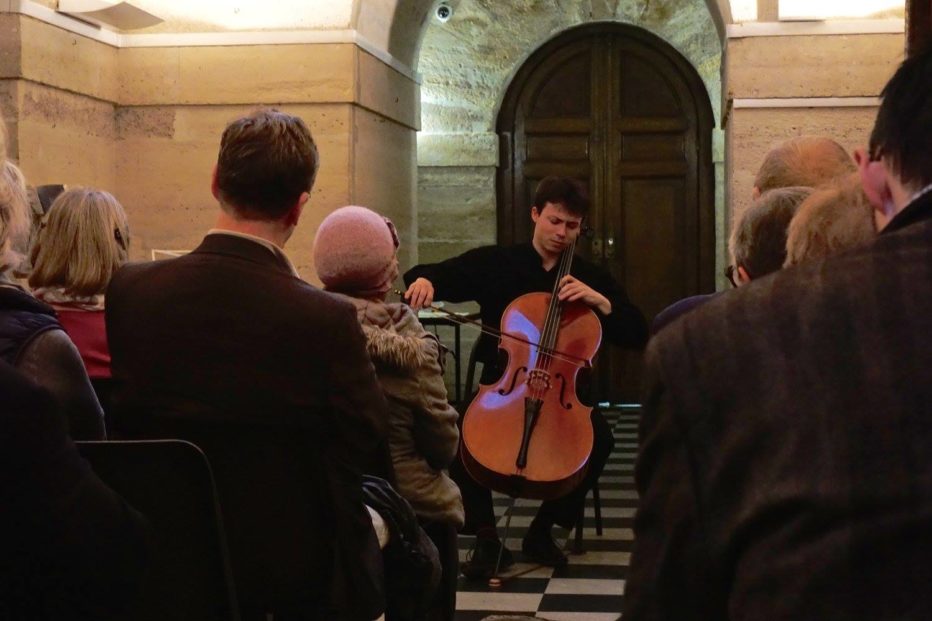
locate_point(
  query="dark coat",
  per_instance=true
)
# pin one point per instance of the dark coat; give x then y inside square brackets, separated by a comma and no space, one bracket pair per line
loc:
[32,340]
[228,337]
[785,469]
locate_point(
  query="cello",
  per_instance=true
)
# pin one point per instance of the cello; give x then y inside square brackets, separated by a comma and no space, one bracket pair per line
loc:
[528,435]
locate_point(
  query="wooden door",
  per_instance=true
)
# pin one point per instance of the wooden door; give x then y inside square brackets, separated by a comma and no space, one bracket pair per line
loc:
[621,110]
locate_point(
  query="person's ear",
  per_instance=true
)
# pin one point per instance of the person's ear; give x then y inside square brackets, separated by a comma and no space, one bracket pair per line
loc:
[873,179]
[876,184]
[295,213]
[743,276]
[535,215]
[755,193]
[214,185]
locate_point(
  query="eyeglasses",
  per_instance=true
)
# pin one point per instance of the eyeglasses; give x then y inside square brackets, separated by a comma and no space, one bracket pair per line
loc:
[394,232]
[730,275]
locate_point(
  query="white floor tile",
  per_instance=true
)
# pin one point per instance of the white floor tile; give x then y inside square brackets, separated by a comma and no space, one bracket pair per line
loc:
[578,586]
[512,602]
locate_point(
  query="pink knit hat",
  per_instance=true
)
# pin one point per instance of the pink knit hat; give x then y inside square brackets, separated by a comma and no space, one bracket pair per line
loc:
[354,252]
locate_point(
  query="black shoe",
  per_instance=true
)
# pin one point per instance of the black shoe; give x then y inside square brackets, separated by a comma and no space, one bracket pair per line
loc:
[480,562]
[540,548]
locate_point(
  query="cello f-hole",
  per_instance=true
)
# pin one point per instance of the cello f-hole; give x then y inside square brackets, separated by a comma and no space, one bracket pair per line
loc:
[514,381]
[566,404]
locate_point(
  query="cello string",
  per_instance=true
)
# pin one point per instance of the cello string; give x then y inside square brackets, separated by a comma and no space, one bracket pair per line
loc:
[484,329]
[555,308]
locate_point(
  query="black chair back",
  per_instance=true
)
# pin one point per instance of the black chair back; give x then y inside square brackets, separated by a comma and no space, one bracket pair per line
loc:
[279,524]
[170,482]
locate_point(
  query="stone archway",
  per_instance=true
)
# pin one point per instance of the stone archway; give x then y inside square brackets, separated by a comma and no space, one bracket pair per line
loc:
[466,65]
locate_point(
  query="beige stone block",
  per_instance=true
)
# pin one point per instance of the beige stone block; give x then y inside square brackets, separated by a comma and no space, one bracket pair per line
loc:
[387,92]
[318,73]
[456,205]
[812,66]
[64,137]
[61,108]
[436,251]
[753,132]
[457,149]
[10,46]
[147,122]
[383,174]
[66,155]
[149,76]
[68,61]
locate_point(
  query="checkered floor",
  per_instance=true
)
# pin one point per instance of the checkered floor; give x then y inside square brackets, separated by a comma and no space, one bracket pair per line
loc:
[591,587]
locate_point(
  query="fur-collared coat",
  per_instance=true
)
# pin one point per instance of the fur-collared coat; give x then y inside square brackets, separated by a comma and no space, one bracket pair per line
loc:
[423,436]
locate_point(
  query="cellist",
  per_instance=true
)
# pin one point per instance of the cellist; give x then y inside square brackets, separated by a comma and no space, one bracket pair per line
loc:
[493,276]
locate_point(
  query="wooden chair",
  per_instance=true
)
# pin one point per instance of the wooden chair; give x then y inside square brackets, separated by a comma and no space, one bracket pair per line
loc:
[170,483]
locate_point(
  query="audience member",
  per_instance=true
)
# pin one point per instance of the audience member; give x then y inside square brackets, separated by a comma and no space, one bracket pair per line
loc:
[836,217]
[758,241]
[784,469]
[31,338]
[82,242]
[70,548]
[229,337]
[757,245]
[355,254]
[807,161]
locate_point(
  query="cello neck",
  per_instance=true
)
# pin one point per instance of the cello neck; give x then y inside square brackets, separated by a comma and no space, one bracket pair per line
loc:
[552,322]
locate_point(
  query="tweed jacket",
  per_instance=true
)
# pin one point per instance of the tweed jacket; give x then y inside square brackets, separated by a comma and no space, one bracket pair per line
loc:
[785,469]
[228,336]
[423,436]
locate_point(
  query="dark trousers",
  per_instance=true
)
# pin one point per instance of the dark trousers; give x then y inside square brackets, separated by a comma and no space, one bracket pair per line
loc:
[564,511]
[444,537]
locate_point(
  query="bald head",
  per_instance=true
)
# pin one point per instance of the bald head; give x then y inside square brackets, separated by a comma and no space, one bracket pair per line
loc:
[805,161]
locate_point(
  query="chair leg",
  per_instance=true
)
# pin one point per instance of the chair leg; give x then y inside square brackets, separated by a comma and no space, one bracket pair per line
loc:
[597,506]
[578,531]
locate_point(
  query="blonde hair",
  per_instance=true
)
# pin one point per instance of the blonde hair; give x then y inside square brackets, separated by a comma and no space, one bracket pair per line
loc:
[83,241]
[835,217]
[14,216]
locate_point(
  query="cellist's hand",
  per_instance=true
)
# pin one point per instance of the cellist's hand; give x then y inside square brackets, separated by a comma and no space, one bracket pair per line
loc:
[572,290]
[420,294]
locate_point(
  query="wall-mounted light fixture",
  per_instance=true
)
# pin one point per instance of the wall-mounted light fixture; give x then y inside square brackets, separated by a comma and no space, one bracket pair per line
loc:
[109,13]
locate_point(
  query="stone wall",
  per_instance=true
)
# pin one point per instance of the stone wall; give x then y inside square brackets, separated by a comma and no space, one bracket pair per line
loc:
[467,65]
[145,123]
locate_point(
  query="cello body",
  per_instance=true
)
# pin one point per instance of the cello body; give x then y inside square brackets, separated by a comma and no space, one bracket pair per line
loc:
[527,435]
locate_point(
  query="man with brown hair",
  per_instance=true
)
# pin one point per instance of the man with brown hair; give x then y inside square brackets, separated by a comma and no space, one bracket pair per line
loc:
[228,339]
[802,161]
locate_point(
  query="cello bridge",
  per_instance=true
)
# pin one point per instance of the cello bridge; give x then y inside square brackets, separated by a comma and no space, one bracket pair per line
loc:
[538,380]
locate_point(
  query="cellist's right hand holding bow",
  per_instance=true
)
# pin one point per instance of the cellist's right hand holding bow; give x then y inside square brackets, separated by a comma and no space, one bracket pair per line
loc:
[420,294]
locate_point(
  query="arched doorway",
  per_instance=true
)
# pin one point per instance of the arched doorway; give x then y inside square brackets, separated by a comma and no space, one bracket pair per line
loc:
[620,109]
